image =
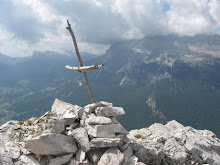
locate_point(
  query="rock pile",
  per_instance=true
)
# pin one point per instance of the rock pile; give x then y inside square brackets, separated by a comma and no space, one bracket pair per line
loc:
[175,144]
[68,134]
[72,135]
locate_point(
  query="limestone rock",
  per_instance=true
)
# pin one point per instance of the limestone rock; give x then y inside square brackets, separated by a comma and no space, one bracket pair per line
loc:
[173,143]
[105,104]
[81,137]
[90,108]
[131,161]
[98,120]
[73,162]
[148,152]
[104,142]
[128,153]
[59,126]
[27,160]
[69,117]
[112,156]
[80,156]
[13,150]
[61,159]
[108,130]
[52,144]
[109,111]
[4,157]
[60,108]
[94,155]
[69,135]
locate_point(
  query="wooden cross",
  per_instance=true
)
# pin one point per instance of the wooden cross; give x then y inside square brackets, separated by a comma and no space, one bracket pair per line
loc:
[82,68]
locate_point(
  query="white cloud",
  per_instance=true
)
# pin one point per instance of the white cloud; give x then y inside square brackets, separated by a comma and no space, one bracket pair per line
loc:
[41,24]
[191,17]
[42,10]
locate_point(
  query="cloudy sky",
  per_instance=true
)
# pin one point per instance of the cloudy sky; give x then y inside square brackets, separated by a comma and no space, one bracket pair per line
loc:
[28,25]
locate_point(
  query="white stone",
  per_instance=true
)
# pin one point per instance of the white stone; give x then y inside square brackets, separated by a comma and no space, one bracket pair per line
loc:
[173,143]
[69,117]
[140,163]
[27,160]
[133,160]
[112,156]
[13,150]
[82,138]
[52,144]
[109,111]
[104,142]
[59,108]
[148,151]
[80,156]
[105,104]
[98,120]
[90,108]
[73,162]
[61,159]
[174,125]
[105,131]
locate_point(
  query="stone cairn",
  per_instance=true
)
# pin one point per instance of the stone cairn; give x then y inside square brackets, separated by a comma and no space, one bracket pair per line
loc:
[72,135]
[68,134]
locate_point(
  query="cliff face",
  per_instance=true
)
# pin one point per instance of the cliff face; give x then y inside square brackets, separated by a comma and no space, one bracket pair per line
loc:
[91,135]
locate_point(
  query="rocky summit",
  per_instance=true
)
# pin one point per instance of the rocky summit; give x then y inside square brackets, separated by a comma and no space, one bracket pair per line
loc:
[91,135]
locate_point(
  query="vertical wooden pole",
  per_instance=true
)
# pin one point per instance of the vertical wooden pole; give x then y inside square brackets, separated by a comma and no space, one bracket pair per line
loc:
[80,61]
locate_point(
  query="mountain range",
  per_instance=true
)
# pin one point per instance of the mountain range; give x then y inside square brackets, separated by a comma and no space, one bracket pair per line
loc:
[155,79]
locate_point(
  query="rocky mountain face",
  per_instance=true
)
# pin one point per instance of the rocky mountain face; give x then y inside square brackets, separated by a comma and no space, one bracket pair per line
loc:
[91,135]
[155,79]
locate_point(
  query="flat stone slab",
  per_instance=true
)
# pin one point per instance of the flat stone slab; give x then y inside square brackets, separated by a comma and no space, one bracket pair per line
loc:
[109,111]
[106,131]
[104,142]
[52,144]
[98,120]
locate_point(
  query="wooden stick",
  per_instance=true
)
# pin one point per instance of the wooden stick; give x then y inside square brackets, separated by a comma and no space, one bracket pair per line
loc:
[80,61]
[84,68]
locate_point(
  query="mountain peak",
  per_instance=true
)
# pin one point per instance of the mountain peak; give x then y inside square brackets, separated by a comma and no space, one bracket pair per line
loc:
[92,135]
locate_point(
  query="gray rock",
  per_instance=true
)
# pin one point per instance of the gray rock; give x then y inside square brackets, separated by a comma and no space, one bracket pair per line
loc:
[80,156]
[128,153]
[98,120]
[69,117]
[59,126]
[133,160]
[105,104]
[108,130]
[61,159]
[27,160]
[59,108]
[13,150]
[109,111]
[112,156]
[82,138]
[90,108]
[148,152]
[4,157]
[173,144]
[104,142]
[52,144]
[94,155]
[73,162]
